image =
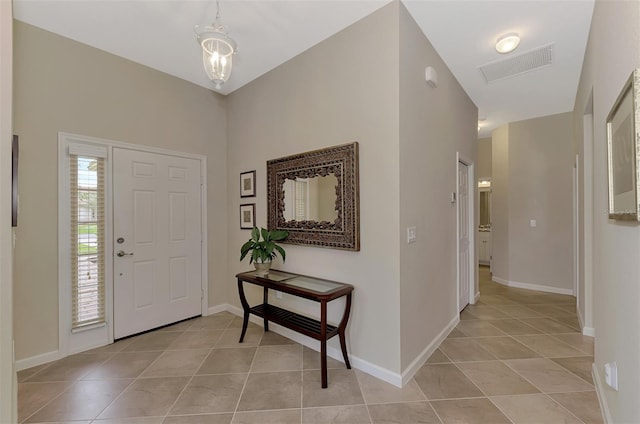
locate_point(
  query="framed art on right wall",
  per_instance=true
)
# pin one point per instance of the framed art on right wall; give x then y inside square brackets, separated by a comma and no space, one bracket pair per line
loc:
[623,144]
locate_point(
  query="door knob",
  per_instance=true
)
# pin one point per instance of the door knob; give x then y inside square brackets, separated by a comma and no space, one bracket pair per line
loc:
[122,253]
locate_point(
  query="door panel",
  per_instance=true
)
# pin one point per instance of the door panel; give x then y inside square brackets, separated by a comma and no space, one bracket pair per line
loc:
[463,235]
[157,274]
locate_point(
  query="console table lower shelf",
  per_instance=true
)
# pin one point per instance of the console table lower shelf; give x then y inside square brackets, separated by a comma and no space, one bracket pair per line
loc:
[318,290]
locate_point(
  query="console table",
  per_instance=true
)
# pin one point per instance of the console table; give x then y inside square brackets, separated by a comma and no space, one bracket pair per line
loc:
[316,289]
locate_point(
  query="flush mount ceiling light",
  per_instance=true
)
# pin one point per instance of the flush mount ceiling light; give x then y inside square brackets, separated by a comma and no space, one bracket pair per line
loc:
[217,50]
[507,43]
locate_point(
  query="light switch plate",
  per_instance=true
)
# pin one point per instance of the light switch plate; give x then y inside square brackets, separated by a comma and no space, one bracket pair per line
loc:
[533,223]
[411,234]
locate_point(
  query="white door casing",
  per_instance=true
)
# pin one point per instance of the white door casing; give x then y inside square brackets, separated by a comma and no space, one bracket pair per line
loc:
[157,213]
[464,259]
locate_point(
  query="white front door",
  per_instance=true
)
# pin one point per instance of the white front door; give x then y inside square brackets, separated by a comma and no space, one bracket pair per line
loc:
[463,235]
[157,240]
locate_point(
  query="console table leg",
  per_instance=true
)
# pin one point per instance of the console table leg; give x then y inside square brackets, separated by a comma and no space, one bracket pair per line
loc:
[341,330]
[323,342]
[245,307]
[265,297]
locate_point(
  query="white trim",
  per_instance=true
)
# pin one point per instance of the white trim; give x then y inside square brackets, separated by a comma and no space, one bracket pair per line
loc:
[529,286]
[8,382]
[586,331]
[36,360]
[204,255]
[100,145]
[335,353]
[587,208]
[476,297]
[473,259]
[64,319]
[602,398]
[576,227]
[220,308]
[417,363]
[130,146]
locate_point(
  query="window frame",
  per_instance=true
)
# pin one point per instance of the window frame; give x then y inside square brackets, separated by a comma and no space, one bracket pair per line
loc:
[82,338]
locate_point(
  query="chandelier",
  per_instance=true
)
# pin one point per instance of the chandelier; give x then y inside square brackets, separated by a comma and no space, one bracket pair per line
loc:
[217,50]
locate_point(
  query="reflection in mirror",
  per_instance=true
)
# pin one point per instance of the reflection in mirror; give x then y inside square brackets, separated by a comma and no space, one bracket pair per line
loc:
[484,192]
[485,209]
[311,199]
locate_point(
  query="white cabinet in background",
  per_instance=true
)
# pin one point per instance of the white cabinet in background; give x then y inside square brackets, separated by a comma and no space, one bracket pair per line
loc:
[484,247]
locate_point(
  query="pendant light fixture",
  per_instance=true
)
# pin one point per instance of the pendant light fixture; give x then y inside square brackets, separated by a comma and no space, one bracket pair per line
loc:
[217,50]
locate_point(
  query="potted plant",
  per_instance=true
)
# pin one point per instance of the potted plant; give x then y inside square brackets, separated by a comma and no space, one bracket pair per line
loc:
[265,250]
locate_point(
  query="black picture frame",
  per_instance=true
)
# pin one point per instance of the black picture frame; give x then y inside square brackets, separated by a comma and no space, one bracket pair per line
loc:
[248,184]
[14,181]
[247,216]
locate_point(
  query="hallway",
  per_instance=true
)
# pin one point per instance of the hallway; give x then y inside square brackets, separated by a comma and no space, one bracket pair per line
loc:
[515,357]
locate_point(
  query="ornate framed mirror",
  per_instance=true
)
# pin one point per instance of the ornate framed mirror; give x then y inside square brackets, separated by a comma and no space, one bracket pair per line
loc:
[315,196]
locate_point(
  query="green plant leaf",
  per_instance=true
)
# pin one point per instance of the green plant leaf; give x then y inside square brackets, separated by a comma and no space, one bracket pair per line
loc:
[266,249]
[245,249]
[282,253]
[278,235]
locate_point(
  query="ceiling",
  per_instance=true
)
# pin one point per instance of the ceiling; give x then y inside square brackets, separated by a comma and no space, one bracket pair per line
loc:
[159,34]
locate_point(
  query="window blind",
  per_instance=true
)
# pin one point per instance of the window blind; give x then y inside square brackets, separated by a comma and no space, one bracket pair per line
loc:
[87,240]
[301,200]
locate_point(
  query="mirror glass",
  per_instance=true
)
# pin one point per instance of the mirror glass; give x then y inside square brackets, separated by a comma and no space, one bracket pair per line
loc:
[485,209]
[311,199]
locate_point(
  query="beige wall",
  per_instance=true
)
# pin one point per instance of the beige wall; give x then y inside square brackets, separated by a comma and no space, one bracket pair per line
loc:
[310,103]
[8,384]
[540,188]
[61,85]
[536,179]
[500,202]
[484,158]
[613,51]
[435,123]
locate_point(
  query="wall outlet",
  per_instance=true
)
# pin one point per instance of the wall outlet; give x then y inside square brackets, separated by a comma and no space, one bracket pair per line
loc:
[611,375]
[533,223]
[278,295]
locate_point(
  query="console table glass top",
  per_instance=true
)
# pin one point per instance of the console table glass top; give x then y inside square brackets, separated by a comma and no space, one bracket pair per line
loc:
[302,281]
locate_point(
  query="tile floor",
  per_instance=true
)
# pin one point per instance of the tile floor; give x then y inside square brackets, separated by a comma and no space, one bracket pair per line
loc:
[516,357]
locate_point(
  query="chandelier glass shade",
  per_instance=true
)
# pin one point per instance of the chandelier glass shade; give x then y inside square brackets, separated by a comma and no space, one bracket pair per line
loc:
[217,52]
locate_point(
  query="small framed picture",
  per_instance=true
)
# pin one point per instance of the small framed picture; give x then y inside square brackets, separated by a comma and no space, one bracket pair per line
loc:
[623,142]
[248,184]
[247,216]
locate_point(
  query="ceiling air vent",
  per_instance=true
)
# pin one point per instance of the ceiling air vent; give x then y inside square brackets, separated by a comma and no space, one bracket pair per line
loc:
[516,65]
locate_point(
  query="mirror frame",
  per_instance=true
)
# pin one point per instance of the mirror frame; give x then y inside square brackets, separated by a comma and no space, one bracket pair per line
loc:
[344,232]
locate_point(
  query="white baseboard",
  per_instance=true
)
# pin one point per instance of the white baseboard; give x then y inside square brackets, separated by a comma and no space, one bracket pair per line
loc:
[604,407]
[335,353]
[476,297]
[529,286]
[586,331]
[33,361]
[218,308]
[417,363]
